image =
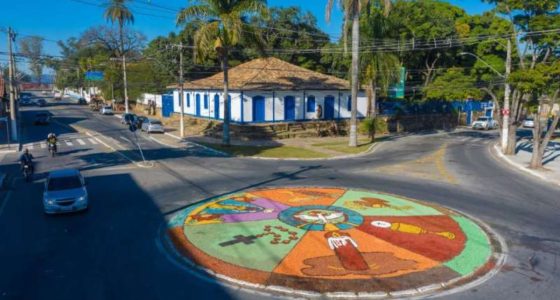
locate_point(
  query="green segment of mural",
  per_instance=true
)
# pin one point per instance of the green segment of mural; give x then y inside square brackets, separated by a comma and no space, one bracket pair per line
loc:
[477,249]
[240,243]
[374,204]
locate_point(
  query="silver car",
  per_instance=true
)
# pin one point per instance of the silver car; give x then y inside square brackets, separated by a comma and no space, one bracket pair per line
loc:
[65,191]
[152,125]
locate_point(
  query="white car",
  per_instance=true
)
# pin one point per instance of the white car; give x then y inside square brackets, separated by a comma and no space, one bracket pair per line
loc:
[485,123]
[152,125]
[106,110]
[529,123]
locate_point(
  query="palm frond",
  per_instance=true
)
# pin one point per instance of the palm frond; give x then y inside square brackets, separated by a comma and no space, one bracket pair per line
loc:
[205,39]
[201,11]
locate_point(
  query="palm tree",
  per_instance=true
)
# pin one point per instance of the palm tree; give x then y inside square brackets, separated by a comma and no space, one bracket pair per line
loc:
[352,9]
[117,11]
[222,26]
[381,69]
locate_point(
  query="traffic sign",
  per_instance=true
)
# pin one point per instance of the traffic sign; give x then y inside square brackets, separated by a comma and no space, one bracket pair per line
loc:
[505,112]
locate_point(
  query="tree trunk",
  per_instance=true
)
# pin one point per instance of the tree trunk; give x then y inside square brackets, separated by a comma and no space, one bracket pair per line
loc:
[373,112]
[124,68]
[353,142]
[512,140]
[536,157]
[227,104]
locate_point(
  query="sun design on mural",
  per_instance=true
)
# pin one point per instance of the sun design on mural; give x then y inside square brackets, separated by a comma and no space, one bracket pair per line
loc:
[275,236]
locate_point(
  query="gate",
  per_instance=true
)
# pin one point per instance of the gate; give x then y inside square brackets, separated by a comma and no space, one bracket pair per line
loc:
[167,105]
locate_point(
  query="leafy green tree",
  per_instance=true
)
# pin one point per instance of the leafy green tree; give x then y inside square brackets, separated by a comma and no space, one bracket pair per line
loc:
[290,28]
[542,82]
[453,85]
[431,23]
[223,25]
[32,48]
[118,12]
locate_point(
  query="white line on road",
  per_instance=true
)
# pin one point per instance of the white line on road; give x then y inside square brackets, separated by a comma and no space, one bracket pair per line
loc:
[81,142]
[123,138]
[93,141]
[68,143]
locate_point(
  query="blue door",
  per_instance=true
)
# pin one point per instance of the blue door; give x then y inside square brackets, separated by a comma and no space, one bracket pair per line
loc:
[216,106]
[258,109]
[329,107]
[197,104]
[289,108]
[167,105]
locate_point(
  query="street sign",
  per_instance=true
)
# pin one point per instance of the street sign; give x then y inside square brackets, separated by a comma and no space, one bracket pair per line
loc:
[95,75]
[505,112]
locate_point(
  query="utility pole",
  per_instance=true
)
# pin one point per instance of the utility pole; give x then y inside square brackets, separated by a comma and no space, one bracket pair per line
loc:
[506,112]
[181,95]
[11,82]
[125,83]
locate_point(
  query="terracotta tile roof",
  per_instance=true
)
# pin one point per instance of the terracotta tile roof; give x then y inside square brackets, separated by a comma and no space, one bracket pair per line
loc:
[270,74]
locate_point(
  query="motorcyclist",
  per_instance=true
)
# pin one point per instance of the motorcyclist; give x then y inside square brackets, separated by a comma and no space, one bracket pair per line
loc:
[26,159]
[51,139]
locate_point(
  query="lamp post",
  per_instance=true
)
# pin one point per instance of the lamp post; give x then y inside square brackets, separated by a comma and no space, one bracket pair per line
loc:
[507,92]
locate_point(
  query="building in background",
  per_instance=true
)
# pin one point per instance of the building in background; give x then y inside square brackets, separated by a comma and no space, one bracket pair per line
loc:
[267,90]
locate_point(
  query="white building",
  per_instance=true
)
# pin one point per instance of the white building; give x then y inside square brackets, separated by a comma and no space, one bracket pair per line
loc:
[270,90]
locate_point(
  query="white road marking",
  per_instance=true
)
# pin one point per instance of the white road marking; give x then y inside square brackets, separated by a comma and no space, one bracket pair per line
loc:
[81,142]
[68,143]
[123,138]
[93,141]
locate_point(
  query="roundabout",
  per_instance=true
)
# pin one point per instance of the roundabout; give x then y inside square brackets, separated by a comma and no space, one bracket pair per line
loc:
[318,240]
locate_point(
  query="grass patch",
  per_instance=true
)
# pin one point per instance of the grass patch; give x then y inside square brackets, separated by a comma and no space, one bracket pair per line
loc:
[268,151]
[342,146]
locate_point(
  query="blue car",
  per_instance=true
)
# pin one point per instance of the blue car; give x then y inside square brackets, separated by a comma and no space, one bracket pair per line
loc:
[65,191]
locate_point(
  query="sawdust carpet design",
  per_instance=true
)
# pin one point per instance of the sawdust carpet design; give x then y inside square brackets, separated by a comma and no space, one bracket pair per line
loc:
[330,240]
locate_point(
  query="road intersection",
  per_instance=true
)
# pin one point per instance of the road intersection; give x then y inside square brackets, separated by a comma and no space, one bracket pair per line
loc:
[115,250]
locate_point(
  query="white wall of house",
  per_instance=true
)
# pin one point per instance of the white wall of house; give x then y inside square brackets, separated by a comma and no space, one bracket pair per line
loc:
[242,111]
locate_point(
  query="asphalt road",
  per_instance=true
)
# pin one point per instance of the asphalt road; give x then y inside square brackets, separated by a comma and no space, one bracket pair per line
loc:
[112,251]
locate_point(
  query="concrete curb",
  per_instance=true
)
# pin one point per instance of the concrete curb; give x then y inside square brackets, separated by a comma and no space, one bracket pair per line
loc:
[520,167]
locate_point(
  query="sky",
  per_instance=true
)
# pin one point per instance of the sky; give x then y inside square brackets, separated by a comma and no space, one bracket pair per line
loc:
[60,19]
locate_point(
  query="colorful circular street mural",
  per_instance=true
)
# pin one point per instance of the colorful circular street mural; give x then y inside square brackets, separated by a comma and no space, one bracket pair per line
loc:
[331,240]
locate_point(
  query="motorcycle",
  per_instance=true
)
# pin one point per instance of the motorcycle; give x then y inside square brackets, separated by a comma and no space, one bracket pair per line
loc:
[52,149]
[27,171]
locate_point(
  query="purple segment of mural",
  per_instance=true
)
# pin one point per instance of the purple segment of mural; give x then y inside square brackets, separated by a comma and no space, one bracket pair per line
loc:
[271,211]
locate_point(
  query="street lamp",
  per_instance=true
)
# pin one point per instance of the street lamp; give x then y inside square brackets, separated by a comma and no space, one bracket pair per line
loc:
[484,62]
[507,92]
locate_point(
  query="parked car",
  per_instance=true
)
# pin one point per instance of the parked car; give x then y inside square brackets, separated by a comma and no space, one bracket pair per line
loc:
[44,92]
[485,123]
[42,118]
[58,96]
[65,191]
[41,102]
[82,101]
[529,123]
[106,110]
[128,119]
[152,125]
[25,102]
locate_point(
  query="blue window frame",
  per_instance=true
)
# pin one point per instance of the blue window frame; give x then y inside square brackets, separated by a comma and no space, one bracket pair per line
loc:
[349,103]
[205,101]
[188,100]
[311,104]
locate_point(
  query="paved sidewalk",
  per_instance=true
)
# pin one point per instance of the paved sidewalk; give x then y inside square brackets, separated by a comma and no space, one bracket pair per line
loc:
[551,169]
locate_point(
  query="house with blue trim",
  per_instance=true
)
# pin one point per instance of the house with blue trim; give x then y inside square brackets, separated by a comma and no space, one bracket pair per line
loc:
[268,90]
